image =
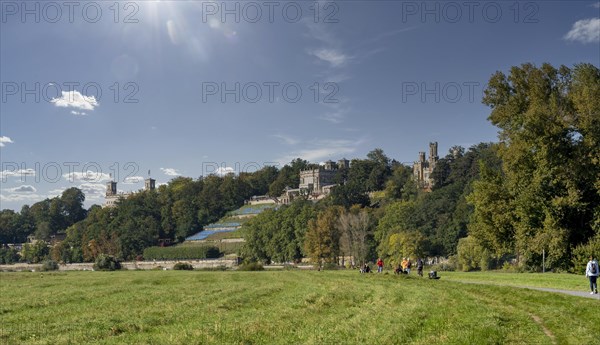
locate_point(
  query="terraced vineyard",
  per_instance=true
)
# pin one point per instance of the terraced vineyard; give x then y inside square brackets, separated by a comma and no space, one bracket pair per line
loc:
[231,223]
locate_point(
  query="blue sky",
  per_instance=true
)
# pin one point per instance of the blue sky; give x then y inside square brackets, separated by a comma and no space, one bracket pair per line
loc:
[90,89]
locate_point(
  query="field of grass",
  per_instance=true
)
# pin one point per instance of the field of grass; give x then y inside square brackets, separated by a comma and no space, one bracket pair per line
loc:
[542,280]
[283,307]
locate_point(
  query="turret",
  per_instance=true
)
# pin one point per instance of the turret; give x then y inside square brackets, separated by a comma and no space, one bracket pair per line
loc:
[111,188]
[149,184]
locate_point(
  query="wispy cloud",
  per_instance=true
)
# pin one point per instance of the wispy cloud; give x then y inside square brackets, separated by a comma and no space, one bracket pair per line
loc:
[334,57]
[336,112]
[74,99]
[78,112]
[5,140]
[321,149]
[286,139]
[170,172]
[585,31]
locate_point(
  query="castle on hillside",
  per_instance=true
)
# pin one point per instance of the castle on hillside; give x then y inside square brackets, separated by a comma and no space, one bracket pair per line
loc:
[112,196]
[315,184]
[422,168]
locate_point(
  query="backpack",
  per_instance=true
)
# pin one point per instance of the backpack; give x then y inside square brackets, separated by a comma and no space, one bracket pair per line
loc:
[594,268]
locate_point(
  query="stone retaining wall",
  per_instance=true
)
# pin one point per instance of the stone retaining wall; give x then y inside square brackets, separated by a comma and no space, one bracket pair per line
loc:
[130,265]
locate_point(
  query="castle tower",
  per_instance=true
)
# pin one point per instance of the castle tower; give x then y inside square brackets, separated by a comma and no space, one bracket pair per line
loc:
[343,163]
[149,184]
[433,155]
[433,150]
[330,165]
[111,188]
[421,157]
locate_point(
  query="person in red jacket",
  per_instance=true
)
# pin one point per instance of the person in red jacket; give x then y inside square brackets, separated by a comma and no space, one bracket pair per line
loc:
[379,265]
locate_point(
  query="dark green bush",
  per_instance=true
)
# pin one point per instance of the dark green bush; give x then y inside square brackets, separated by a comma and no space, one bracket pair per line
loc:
[107,263]
[251,266]
[582,252]
[49,265]
[183,266]
[181,253]
[330,266]
[8,256]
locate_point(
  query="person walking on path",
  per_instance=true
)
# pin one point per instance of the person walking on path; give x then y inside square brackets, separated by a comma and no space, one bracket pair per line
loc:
[420,267]
[591,272]
[379,265]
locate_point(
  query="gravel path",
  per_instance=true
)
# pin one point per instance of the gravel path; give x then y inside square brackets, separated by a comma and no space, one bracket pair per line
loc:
[566,292]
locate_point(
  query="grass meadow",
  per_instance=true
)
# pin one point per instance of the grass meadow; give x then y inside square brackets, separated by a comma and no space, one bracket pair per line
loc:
[288,307]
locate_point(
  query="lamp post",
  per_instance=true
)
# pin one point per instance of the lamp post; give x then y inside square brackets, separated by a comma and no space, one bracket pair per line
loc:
[543,260]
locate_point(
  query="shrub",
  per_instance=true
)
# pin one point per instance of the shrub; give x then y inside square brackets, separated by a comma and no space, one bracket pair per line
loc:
[8,256]
[446,266]
[330,266]
[582,252]
[471,255]
[181,253]
[183,266]
[252,266]
[107,263]
[49,265]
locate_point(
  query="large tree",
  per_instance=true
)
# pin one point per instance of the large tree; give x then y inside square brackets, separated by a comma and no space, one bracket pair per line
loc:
[549,121]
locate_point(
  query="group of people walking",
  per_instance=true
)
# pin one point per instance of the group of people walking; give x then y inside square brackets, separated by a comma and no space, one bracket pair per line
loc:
[403,267]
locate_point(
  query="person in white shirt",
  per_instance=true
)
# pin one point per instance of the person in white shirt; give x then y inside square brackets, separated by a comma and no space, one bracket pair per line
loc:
[591,272]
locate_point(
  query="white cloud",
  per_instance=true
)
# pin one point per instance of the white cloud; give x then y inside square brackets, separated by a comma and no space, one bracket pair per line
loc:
[5,140]
[133,179]
[87,176]
[333,56]
[93,191]
[22,173]
[585,31]
[170,172]
[78,113]
[19,197]
[596,5]
[22,189]
[27,193]
[222,171]
[56,192]
[75,99]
